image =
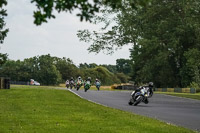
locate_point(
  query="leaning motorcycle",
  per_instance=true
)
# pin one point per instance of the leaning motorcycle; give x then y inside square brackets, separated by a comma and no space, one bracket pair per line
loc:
[87,85]
[78,85]
[98,84]
[71,84]
[139,96]
[67,85]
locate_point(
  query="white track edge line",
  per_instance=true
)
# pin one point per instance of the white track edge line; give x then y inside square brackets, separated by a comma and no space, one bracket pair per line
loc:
[87,99]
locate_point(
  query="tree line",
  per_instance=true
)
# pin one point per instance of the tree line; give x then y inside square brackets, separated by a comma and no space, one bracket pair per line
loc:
[50,70]
[165,39]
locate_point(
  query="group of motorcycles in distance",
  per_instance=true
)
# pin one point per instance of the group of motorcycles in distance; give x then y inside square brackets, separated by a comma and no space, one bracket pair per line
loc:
[76,84]
[141,94]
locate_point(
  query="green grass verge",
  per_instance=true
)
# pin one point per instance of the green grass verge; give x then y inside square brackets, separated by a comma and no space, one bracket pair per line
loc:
[186,95]
[26,109]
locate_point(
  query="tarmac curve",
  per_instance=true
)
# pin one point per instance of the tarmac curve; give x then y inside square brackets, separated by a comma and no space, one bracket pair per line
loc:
[183,112]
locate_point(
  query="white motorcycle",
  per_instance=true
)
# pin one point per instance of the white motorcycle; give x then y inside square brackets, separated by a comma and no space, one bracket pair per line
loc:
[140,95]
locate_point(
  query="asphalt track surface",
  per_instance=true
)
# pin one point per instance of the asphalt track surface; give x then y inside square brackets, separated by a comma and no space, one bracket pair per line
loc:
[174,110]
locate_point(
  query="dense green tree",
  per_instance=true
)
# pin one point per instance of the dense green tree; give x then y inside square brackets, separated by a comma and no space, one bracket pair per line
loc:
[16,70]
[122,77]
[3,31]
[111,68]
[87,8]
[192,66]
[3,59]
[8,70]
[161,35]
[32,65]
[41,68]
[105,76]
[85,65]
[66,68]
[167,30]
[92,65]
[48,73]
[124,66]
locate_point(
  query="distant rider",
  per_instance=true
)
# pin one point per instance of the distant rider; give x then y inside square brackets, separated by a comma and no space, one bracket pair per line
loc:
[87,83]
[67,83]
[71,82]
[71,79]
[89,79]
[79,80]
[79,83]
[97,84]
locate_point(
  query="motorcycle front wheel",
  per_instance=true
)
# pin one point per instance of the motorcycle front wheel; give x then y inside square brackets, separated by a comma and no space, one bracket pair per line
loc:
[77,88]
[86,89]
[138,100]
[130,102]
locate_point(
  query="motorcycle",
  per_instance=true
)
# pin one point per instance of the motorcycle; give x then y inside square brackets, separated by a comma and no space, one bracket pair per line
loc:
[67,85]
[71,84]
[87,85]
[139,96]
[98,84]
[78,85]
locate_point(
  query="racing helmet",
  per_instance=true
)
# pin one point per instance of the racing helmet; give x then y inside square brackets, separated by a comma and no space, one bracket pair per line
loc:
[150,83]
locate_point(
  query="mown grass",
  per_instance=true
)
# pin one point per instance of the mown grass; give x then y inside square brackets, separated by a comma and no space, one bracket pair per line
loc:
[27,109]
[186,95]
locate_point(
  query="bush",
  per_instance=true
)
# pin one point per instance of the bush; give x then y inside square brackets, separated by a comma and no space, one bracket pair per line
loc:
[122,77]
[102,73]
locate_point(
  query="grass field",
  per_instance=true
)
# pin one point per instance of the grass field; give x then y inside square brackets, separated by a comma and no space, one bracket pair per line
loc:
[27,109]
[186,95]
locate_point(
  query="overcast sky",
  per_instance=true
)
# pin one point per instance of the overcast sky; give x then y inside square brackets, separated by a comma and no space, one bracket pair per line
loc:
[57,37]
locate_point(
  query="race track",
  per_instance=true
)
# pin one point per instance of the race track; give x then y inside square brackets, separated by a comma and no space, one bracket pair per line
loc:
[178,111]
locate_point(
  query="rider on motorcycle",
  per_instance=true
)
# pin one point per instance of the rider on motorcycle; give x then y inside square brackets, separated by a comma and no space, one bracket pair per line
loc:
[71,79]
[88,79]
[97,83]
[71,82]
[97,80]
[67,83]
[79,80]
[87,83]
[79,83]
[150,86]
